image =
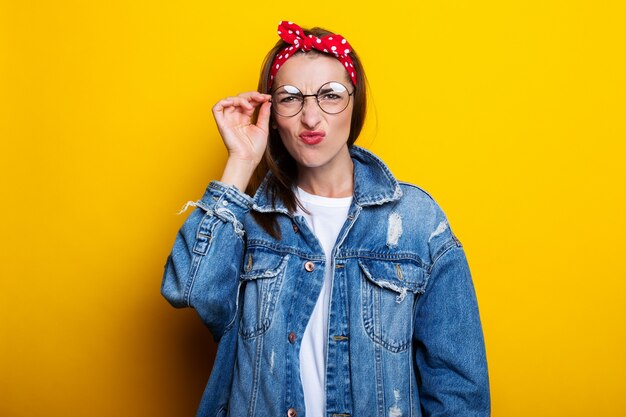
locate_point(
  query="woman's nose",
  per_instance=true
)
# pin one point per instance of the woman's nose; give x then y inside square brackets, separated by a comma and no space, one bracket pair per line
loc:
[311,112]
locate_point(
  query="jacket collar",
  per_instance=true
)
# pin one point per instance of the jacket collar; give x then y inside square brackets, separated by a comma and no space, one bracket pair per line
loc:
[374,184]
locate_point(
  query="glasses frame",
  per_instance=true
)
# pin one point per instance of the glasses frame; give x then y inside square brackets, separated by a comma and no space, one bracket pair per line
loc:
[316,95]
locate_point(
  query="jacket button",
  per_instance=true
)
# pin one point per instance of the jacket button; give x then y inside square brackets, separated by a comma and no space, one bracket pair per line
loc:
[292,339]
[292,412]
[295,227]
[309,266]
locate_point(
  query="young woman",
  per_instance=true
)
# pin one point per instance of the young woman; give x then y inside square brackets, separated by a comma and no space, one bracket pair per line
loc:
[335,290]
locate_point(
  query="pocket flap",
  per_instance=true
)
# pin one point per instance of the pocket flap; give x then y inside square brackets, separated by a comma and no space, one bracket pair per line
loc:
[262,264]
[397,275]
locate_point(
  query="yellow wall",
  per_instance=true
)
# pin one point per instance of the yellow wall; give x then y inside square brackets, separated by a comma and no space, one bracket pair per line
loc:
[512,114]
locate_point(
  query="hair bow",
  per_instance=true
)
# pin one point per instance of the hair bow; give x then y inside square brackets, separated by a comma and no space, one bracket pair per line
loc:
[334,45]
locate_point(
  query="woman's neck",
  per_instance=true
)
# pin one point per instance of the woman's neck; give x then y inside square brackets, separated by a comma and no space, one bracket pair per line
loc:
[334,182]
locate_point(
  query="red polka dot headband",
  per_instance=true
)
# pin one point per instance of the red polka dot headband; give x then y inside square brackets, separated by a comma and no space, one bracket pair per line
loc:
[334,45]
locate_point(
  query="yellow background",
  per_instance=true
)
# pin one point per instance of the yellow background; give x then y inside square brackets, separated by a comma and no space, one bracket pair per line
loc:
[512,114]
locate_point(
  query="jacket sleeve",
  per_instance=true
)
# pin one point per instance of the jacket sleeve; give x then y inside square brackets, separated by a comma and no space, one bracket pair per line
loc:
[449,346]
[202,271]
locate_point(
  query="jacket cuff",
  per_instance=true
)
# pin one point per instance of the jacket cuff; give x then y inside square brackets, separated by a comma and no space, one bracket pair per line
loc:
[219,195]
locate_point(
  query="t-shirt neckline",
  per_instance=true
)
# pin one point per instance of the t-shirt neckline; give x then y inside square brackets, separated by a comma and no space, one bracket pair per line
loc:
[323,201]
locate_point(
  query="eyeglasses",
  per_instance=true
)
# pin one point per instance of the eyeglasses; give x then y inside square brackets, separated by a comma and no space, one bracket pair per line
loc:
[332,97]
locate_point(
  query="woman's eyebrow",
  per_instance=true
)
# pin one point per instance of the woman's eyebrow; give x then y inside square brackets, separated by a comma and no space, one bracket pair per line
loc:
[326,90]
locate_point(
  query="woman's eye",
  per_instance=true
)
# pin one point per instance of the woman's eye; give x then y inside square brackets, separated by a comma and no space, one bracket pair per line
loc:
[330,97]
[290,99]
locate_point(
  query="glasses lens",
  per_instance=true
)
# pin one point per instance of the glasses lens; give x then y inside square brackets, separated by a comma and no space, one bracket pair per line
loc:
[287,100]
[333,97]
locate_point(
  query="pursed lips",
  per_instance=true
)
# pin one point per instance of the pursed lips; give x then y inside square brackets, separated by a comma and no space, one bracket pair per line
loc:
[312,137]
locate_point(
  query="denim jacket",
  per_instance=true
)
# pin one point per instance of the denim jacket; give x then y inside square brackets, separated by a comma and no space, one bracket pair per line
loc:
[404,333]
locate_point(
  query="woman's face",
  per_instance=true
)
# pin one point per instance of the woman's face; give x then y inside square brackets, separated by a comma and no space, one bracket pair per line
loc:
[315,139]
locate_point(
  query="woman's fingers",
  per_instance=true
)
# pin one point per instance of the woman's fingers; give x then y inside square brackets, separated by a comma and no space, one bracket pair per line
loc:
[234,115]
[233,102]
[260,98]
[244,103]
[238,110]
[255,95]
[264,115]
[232,111]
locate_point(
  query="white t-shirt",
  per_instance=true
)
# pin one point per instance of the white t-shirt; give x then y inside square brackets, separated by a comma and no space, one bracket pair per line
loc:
[325,218]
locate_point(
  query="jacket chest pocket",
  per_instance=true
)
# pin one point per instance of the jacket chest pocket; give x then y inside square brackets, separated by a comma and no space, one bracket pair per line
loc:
[262,280]
[389,289]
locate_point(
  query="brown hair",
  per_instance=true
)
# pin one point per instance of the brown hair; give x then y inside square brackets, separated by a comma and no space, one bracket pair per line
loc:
[277,160]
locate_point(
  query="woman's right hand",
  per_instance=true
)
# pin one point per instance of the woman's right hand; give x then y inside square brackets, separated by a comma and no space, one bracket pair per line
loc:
[245,141]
